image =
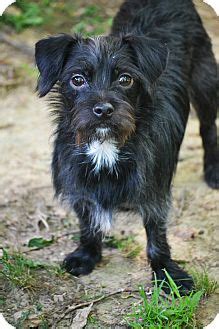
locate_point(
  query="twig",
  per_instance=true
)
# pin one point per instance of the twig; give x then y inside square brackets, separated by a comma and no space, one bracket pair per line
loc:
[66,234]
[94,301]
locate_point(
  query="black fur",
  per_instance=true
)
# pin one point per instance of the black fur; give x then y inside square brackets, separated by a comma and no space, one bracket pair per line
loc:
[163,46]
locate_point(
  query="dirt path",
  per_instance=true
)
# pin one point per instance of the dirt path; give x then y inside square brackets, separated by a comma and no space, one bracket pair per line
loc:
[28,210]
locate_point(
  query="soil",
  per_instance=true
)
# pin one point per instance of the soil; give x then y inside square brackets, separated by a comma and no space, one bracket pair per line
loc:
[28,209]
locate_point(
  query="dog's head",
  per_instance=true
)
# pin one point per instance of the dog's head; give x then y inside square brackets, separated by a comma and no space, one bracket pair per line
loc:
[103,81]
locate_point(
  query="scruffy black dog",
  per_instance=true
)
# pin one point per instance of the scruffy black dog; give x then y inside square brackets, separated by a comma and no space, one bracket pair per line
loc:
[122,103]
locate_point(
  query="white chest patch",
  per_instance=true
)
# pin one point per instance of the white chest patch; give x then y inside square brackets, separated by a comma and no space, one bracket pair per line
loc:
[103,154]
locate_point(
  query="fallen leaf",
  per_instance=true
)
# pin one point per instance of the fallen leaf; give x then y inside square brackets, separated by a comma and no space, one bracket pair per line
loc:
[80,320]
[39,243]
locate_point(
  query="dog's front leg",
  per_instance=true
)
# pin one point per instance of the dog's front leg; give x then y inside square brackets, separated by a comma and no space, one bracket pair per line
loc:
[159,256]
[85,257]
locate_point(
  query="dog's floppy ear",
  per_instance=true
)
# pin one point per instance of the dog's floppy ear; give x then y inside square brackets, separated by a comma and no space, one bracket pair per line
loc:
[50,54]
[151,56]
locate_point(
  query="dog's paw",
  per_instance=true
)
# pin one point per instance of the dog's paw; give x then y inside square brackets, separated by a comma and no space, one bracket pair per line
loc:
[212,176]
[182,279]
[80,262]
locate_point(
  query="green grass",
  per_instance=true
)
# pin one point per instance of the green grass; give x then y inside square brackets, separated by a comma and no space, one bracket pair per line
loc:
[55,270]
[92,22]
[92,320]
[28,13]
[204,283]
[2,301]
[20,271]
[158,312]
[127,245]
[57,15]
[24,316]
[35,312]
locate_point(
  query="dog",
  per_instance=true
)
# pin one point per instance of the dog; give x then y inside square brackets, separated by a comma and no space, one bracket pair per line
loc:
[121,104]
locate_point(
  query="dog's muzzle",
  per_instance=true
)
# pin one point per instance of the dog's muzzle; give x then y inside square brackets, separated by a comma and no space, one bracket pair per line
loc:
[103,110]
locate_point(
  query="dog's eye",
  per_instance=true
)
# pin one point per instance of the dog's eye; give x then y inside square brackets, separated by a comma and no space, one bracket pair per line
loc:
[125,80]
[78,80]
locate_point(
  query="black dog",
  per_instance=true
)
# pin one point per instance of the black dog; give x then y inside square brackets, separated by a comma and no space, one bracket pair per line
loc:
[122,103]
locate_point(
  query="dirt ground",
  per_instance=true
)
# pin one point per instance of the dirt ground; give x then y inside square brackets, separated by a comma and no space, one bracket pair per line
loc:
[27,210]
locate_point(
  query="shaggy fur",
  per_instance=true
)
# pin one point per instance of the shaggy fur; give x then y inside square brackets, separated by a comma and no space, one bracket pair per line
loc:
[121,107]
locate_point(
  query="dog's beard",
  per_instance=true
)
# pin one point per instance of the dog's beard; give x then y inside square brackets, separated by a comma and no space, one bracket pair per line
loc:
[120,136]
[118,128]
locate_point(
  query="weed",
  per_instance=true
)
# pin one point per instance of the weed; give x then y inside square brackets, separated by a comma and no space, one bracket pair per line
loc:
[2,301]
[175,312]
[32,314]
[92,319]
[204,283]
[44,323]
[92,22]
[27,14]
[18,270]
[127,245]
[55,270]
[24,316]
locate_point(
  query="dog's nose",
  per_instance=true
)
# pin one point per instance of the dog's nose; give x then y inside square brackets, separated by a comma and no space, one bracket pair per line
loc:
[103,110]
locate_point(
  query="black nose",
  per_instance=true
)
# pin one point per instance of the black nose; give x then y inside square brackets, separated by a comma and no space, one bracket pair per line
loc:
[103,110]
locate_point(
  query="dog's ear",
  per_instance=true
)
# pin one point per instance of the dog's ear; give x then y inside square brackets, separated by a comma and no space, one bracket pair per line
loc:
[151,56]
[50,55]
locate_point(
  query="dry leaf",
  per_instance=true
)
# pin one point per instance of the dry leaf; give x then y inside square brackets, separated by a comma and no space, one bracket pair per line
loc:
[80,320]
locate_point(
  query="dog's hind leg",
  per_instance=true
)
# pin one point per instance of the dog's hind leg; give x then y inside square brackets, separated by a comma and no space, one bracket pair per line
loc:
[85,257]
[159,256]
[204,96]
